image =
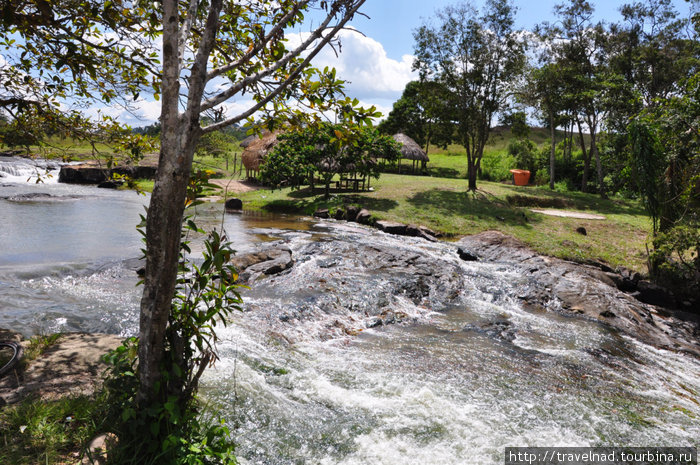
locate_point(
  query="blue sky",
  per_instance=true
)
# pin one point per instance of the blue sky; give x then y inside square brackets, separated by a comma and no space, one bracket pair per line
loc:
[377,63]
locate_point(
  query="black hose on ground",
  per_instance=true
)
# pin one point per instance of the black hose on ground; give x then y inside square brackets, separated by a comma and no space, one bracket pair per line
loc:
[16,347]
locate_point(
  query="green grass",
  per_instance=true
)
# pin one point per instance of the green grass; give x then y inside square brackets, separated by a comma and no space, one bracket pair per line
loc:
[38,345]
[443,204]
[39,432]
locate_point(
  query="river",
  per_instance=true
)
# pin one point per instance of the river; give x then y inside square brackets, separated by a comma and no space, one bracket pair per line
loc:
[372,349]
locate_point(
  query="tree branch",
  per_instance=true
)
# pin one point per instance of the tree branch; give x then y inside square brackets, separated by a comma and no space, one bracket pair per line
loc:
[282,86]
[315,35]
[186,27]
[260,45]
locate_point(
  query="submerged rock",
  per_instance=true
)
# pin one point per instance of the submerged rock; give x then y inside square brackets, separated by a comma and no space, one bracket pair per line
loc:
[586,290]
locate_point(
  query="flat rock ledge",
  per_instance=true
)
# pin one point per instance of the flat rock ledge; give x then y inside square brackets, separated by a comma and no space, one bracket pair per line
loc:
[94,173]
[589,291]
[72,366]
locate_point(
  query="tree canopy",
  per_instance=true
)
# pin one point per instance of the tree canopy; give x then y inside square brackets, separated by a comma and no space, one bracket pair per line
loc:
[476,57]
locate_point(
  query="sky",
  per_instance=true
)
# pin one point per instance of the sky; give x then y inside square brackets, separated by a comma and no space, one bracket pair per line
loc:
[377,61]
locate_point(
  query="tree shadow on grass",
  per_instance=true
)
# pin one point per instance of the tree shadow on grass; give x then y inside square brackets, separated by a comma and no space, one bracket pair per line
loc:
[467,204]
[442,172]
[305,201]
[527,196]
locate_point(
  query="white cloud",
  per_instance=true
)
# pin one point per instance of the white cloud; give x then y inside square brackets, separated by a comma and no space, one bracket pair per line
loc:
[363,62]
[372,77]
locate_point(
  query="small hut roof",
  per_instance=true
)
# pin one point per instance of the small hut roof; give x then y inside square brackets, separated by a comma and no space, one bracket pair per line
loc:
[246,142]
[410,149]
[256,151]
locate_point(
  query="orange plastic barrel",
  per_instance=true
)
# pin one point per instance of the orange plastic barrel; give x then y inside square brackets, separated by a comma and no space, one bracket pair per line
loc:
[520,177]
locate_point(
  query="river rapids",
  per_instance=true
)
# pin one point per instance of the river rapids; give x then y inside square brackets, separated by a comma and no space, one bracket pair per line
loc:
[370,349]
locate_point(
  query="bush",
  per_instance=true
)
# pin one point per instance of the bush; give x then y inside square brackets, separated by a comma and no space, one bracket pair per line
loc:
[496,166]
[523,150]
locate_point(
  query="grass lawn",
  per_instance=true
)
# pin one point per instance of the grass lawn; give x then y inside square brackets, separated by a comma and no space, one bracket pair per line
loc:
[444,204]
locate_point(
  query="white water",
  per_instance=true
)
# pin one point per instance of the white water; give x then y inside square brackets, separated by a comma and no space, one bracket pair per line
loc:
[303,380]
[435,389]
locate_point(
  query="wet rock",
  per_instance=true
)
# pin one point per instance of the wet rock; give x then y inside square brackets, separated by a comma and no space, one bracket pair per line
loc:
[567,287]
[581,230]
[391,227]
[234,204]
[339,214]
[110,184]
[363,216]
[421,231]
[351,213]
[321,213]
[466,255]
[500,329]
[267,262]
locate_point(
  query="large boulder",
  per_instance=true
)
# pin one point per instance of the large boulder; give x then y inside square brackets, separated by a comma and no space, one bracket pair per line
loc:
[572,288]
[83,174]
[253,266]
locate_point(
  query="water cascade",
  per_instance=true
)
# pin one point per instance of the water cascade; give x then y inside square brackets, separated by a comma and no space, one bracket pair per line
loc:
[371,348]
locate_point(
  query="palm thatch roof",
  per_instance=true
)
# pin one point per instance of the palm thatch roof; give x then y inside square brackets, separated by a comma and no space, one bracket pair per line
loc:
[410,149]
[246,142]
[256,151]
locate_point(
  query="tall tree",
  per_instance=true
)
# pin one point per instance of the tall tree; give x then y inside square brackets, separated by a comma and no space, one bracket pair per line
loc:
[212,51]
[578,44]
[476,58]
[423,114]
[545,92]
[240,46]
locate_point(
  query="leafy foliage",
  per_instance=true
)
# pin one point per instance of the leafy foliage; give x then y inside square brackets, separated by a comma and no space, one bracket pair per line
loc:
[172,428]
[423,114]
[327,150]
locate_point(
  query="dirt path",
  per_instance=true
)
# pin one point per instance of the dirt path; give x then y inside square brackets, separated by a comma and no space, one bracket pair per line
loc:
[234,186]
[568,214]
[71,366]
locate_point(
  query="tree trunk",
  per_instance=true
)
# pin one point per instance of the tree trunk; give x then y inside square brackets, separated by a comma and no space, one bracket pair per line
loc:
[552,152]
[586,159]
[472,177]
[179,135]
[599,167]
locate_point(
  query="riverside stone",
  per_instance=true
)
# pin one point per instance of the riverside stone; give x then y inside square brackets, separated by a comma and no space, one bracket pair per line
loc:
[234,204]
[363,216]
[391,227]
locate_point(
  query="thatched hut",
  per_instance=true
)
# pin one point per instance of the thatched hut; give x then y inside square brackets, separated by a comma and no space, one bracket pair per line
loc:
[246,142]
[411,150]
[256,151]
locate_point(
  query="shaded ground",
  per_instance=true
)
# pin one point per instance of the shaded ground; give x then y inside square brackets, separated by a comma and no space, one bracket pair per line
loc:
[72,366]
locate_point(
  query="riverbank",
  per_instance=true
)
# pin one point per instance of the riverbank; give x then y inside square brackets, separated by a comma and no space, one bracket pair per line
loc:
[445,206]
[50,406]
